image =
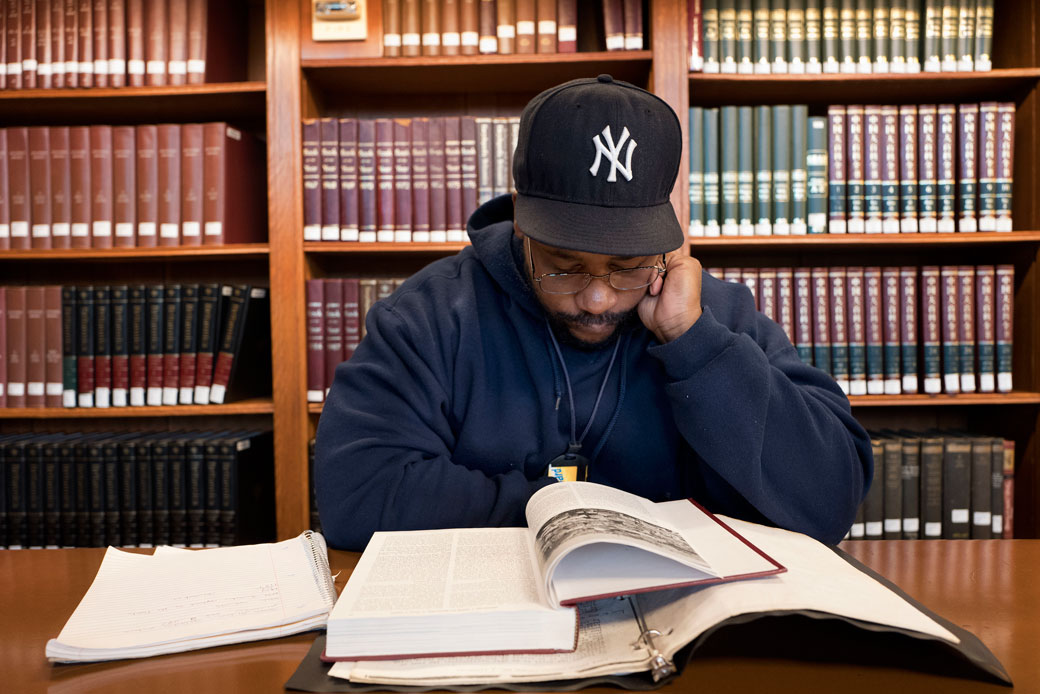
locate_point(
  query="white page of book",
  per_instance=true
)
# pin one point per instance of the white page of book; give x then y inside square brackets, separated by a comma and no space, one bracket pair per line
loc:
[140,600]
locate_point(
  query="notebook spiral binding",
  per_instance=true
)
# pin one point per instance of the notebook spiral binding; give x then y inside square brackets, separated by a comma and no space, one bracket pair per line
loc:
[660,666]
[320,566]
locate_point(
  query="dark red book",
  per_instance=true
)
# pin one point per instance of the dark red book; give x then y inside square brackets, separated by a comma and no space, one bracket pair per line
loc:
[367,218]
[57,42]
[402,180]
[3,345]
[147,184]
[40,186]
[85,42]
[244,372]
[315,340]
[890,307]
[101,211]
[189,343]
[348,179]
[328,158]
[333,314]
[192,194]
[71,40]
[117,43]
[84,346]
[613,24]
[468,150]
[821,315]
[421,180]
[566,26]
[168,147]
[61,185]
[100,38]
[985,305]
[54,353]
[352,317]
[908,327]
[44,53]
[931,330]
[155,42]
[13,40]
[28,45]
[234,184]
[177,42]
[488,27]
[311,153]
[79,185]
[198,34]
[875,331]
[124,185]
[211,301]
[35,347]
[16,327]
[438,183]
[135,43]
[456,224]
[385,179]
[966,326]
[5,210]
[19,193]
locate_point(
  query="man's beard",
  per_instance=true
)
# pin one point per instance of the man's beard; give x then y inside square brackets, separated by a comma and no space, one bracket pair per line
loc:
[562,322]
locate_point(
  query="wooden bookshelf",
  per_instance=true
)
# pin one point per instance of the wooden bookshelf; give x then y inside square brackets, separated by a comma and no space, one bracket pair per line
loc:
[945,399]
[380,248]
[242,407]
[826,241]
[160,253]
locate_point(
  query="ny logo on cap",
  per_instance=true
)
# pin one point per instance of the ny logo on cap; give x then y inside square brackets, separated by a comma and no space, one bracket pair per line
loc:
[612,151]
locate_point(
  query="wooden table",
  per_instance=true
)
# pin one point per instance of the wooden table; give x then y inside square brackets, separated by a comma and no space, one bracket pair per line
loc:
[990,587]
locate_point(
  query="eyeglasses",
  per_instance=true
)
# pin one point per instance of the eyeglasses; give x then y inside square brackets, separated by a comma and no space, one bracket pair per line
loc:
[573,282]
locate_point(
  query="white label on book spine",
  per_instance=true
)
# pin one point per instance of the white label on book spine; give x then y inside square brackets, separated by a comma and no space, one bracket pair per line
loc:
[216,394]
[137,397]
[15,389]
[34,388]
[567,33]
[213,228]
[124,230]
[101,228]
[312,232]
[5,231]
[987,383]
[392,40]
[201,395]
[116,66]
[14,68]
[54,388]
[257,293]
[196,67]
[144,229]
[410,39]
[29,64]
[243,445]
[71,67]
[169,230]
[156,67]
[967,383]
[911,525]
[431,39]
[59,229]
[85,400]
[315,396]
[177,67]
[615,43]
[330,233]
[80,229]
[959,515]
[910,383]
[984,518]
[1004,382]
[893,525]
[546,26]
[402,236]
[41,231]
[488,44]
[470,38]
[525,27]
[933,385]
[506,31]
[154,396]
[44,69]
[68,398]
[633,43]
[101,67]
[102,397]
[190,229]
[135,67]
[169,396]
[187,395]
[119,397]
[19,230]
[893,386]
[451,39]
[874,529]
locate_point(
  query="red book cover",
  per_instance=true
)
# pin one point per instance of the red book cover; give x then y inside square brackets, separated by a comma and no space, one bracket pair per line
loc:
[985,283]
[547,31]
[767,293]
[488,23]
[16,345]
[803,314]
[79,182]
[875,331]
[189,347]
[28,44]
[931,330]
[367,220]
[966,326]
[890,307]
[155,38]
[19,194]
[102,347]
[85,43]
[117,43]
[351,317]
[5,212]
[135,43]
[468,151]
[785,301]
[315,340]
[438,183]
[420,180]
[451,39]
[44,52]
[120,338]
[908,327]
[35,347]
[613,24]
[191,184]
[100,31]
[147,184]
[13,36]
[821,319]
[693,35]
[311,179]
[197,36]
[124,188]
[348,179]
[1005,163]
[234,179]
[328,158]
[53,354]
[633,10]
[456,224]
[526,23]
[950,330]
[385,179]
[70,39]
[402,180]
[177,42]
[856,331]
[40,186]
[61,185]
[469,27]
[333,329]
[168,146]
[101,186]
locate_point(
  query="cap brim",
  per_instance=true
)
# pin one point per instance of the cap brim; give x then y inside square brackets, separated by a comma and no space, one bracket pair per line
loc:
[625,231]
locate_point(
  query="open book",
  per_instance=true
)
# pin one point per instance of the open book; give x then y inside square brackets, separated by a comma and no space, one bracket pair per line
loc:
[497,590]
[176,600]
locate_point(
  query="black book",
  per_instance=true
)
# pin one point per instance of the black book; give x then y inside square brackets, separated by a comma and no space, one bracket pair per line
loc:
[102,347]
[154,345]
[212,490]
[911,485]
[34,492]
[119,308]
[82,491]
[85,346]
[17,504]
[137,345]
[160,491]
[188,342]
[315,517]
[956,488]
[145,490]
[3,493]
[68,525]
[893,481]
[874,502]
[196,486]
[932,520]
[247,488]
[210,311]
[69,336]
[50,458]
[171,343]
[113,489]
[129,528]
[981,492]
[178,474]
[997,486]
[243,372]
[96,502]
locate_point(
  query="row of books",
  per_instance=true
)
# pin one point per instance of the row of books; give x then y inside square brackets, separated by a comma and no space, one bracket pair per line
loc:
[402,179]
[195,488]
[938,485]
[892,330]
[776,170]
[99,186]
[133,345]
[471,27]
[336,310]
[60,44]
[840,36]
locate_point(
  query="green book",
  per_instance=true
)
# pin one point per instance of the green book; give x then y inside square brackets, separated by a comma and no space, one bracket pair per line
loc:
[799,174]
[948,35]
[871,169]
[864,34]
[745,42]
[781,170]
[728,117]
[813,37]
[931,48]
[710,132]
[897,36]
[983,36]
[760,32]
[912,47]
[745,170]
[847,36]
[880,22]
[710,20]
[728,36]
[856,213]
[837,186]
[696,153]
[907,168]
[966,35]
[763,171]
[796,37]
[830,31]
[778,36]
[816,175]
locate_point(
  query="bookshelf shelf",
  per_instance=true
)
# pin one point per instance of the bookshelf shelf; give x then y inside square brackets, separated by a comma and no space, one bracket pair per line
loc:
[315,407]
[921,399]
[333,247]
[818,90]
[484,74]
[764,243]
[234,101]
[191,253]
[244,407]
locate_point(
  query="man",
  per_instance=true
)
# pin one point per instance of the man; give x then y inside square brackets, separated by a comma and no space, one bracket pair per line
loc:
[576,340]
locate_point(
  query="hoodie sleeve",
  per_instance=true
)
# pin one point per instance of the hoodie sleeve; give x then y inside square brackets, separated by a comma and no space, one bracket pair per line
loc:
[777,431]
[384,442]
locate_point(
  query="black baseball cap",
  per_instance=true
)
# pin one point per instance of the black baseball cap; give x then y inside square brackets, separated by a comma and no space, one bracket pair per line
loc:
[595,163]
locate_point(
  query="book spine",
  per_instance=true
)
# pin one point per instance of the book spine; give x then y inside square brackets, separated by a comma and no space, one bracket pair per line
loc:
[39,145]
[79,187]
[352,318]
[928,184]
[710,21]
[85,341]
[5,212]
[420,180]
[763,167]
[209,325]
[985,281]
[469,27]
[767,293]
[333,314]
[13,34]
[778,36]
[745,172]
[966,36]
[188,347]
[1005,297]
[119,310]
[847,34]
[890,307]
[53,341]
[50,482]
[488,27]
[796,31]
[124,190]
[145,491]
[873,502]
[956,490]
[1005,160]
[402,176]
[798,158]
[832,33]
[932,23]
[28,45]
[996,484]
[101,186]
[155,340]
[137,346]
[102,346]
[430,27]
[880,21]
[892,498]
[69,335]
[349,228]
[839,323]
[813,37]
[890,169]
[730,167]
[931,330]
[785,301]
[967,163]
[983,60]
[875,331]
[116,43]
[931,510]
[633,10]
[35,347]
[908,323]
[312,183]
[384,148]
[696,177]
[172,321]
[500,168]
[712,187]
[694,35]
[454,218]
[872,169]
[468,155]
[950,331]
[803,314]
[438,183]
[946,174]
[147,171]
[857,337]
[727,35]
[367,194]
[548,31]
[485,159]
[315,340]
[215,180]
[745,37]
[161,496]
[100,40]
[760,28]
[781,141]
[836,171]
[987,166]
[1009,489]
[856,170]
[328,158]
[897,36]
[451,37]
[128,502]
[966,326]
[949,36]
[67,474]
[136,62]
[168,147]
[192,186]
[155,43]
[911,489]
[391,28]
[19,203]
[908,184]
[190,504]
[821,320]
[816,175]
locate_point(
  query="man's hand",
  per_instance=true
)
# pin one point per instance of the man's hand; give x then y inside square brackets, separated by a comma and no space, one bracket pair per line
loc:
[673,303]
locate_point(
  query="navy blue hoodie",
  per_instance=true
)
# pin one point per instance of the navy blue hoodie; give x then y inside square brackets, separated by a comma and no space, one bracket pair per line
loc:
[455,401]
